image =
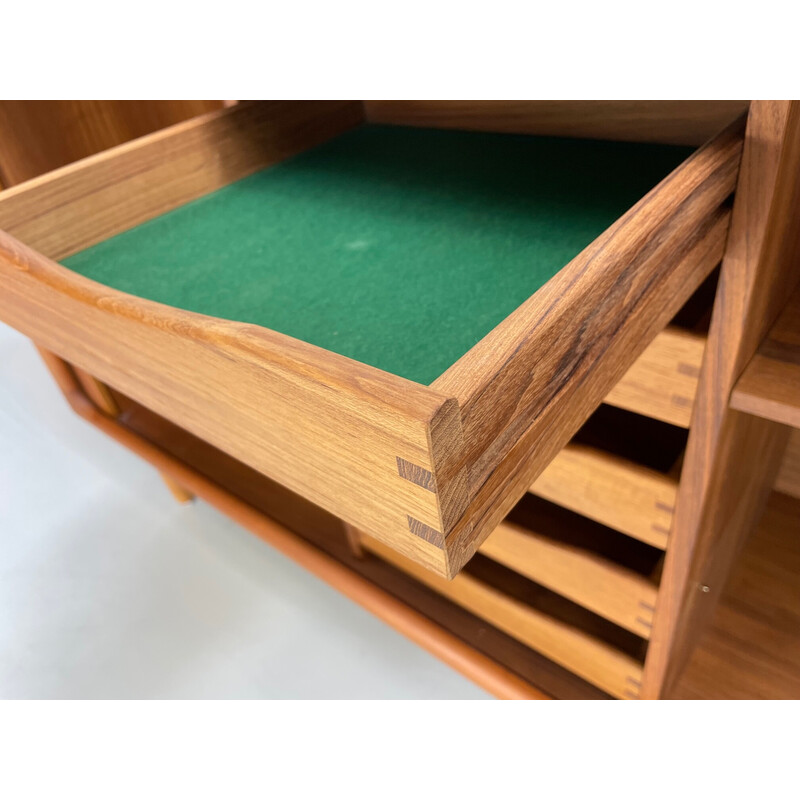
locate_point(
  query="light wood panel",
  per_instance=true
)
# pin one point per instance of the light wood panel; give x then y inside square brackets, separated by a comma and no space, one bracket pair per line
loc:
[770,385]
[526,388]
[596,583]
[732,458]
[71,208]
[690,122]
[594,660]
[662,382]
[614,491]
[42,135]
[788,480]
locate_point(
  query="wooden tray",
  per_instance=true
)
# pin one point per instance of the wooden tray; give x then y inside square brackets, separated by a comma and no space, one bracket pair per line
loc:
[428,470]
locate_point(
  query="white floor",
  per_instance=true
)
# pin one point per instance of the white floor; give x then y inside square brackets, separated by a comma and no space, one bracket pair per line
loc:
[110,589]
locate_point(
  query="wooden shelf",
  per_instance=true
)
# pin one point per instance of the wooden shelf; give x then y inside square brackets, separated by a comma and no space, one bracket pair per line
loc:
[619,493]
[770,384]
[599,584]
[596,661]
[662,382]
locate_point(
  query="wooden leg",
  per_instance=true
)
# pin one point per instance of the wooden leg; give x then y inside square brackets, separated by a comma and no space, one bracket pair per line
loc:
[354,541]
[179,492]
[97,392]
[731,458]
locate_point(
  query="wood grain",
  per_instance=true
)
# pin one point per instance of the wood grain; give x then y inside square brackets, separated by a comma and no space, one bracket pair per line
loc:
[770,385]
[788,480]
[79,205]
[596,583]
[751,650]
[731,458]
[294,415]
[662,382]
[626,496]
[42,135]
[592,659]
[528,386]
[689,122]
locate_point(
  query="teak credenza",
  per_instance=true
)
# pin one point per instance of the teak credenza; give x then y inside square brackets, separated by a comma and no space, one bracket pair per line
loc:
[500,342]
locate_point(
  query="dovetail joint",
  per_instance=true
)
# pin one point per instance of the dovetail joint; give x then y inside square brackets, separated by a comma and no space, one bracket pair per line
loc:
[416,474]
[425,532]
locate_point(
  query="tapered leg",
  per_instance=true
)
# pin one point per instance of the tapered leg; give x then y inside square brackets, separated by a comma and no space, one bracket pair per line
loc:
[180,493]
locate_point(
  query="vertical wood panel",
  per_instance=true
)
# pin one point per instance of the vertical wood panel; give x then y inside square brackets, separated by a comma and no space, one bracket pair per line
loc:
[689,122]
[789,475]
[72,208]
[731,458]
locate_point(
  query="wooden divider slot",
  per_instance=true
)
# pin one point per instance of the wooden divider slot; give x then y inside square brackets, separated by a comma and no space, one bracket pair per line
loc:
[609,589]
[597,661]
[662,382]
[626,496]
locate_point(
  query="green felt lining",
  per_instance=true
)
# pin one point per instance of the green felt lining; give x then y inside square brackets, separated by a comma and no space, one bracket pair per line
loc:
[398,247]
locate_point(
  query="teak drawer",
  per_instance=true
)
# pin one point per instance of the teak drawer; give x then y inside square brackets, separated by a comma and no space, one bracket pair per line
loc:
[426,465]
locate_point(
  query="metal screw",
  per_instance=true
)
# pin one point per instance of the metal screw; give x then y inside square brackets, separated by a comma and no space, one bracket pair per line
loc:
[704,588]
